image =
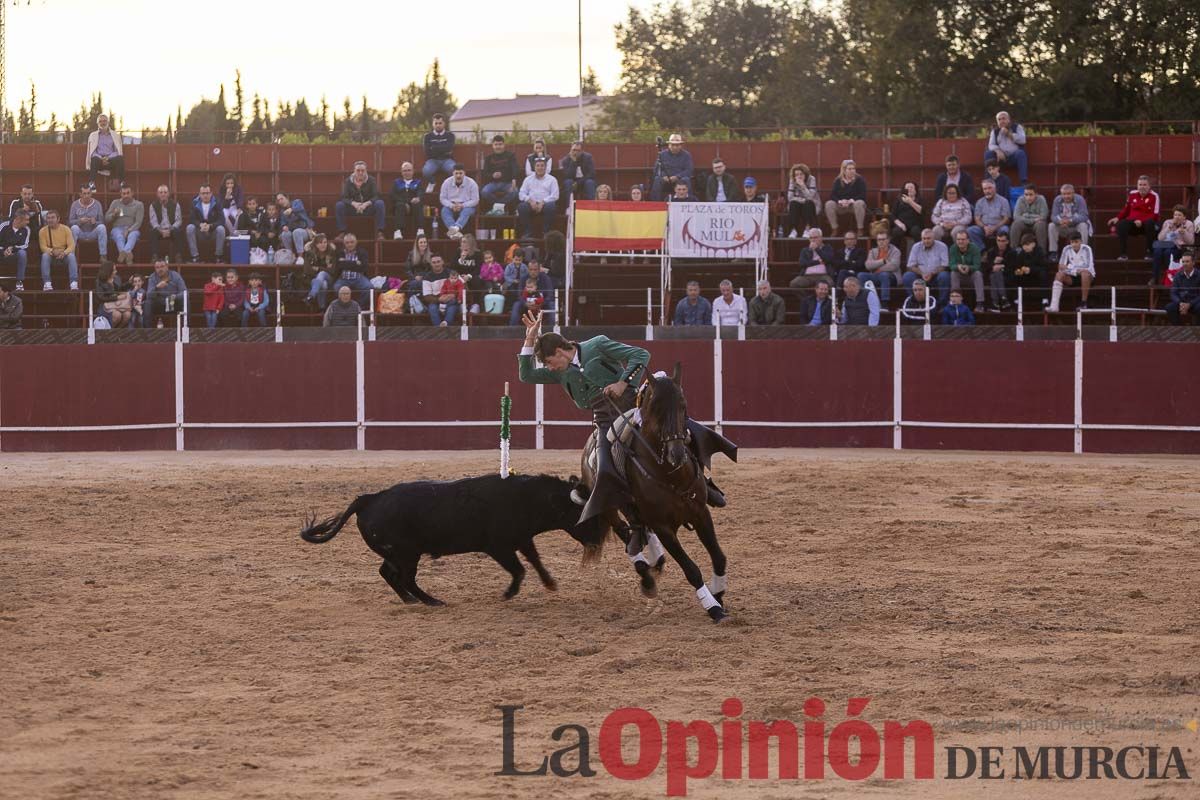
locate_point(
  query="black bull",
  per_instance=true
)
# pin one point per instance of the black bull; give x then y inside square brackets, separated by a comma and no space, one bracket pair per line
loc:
[487,514]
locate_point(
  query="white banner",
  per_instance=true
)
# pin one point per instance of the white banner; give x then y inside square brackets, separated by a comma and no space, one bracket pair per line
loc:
[718,230]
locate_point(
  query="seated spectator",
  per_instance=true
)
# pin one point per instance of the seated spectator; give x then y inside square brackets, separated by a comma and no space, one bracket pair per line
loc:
[750,193]
[343,312]
[578,172]
[206,223]
[964,260]
[320,262]
[1031,213]
[491,275]
[104,152]
[957,313]
[164,295]
[14,246]
[31,206]
[86,219]
[1006,144]
[11,308]
[469,258]
[907,216]
[351,269]
[998,263]
[58,250]
[991,171]
[1076,262]
[1177,233]
[533,297]
[993,214]
[955,176]
[951,214]
[407,201]
[258,301]
[1140,215]
[233,300]
[729,308]
[515,273]
[882,266]
[766,307]
[929,260]
[498,178]
[803,200]
[1069,214]
[459,198]
[816,261]
[849,259]
[858,307]
[848,197]
[1185,291]
[417,264]
[124,218]
[919,306]
[720,186]
[604,192]
[112,297]
[166,226]
[297,225]
[442,306]
[636,193]
[539,151]
[673,165]
[137,301]
[360,197]
[545,286]
[439,151]
[214,298]
[270,229]
[538,195]
[1029,271]
[681,194]
[249,221]
[232,200]
[692,309]
[817,308]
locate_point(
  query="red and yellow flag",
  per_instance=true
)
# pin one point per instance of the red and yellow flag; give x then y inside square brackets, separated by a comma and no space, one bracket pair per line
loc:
[619,225]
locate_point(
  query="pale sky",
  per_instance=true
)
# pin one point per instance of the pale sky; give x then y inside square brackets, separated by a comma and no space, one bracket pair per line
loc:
[148,56]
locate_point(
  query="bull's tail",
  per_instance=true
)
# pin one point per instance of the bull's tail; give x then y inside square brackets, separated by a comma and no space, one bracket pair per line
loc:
[321,532]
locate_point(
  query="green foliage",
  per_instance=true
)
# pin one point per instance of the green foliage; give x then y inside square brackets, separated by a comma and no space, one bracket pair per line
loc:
[416,104]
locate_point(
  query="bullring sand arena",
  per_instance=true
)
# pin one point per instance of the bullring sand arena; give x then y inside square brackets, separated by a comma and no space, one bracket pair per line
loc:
[164,632]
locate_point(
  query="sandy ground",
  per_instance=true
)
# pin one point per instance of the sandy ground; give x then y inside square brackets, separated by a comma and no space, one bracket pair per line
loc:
[164,633]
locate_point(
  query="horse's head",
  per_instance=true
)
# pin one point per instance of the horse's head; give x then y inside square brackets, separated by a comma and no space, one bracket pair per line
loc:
[664,417]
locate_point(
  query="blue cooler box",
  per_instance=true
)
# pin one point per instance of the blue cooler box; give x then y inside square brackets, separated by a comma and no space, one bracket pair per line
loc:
[239,249]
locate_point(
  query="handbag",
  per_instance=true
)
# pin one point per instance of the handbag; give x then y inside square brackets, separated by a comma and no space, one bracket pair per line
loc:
[285,257]
[391,303]
[122,303]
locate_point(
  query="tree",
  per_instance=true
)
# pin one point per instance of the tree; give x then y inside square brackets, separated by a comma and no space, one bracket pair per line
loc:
[591,84]
[416,104]
[239,104]
[207,121]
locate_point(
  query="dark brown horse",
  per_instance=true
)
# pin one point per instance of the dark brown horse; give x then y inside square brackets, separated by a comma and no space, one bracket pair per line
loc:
[669,491]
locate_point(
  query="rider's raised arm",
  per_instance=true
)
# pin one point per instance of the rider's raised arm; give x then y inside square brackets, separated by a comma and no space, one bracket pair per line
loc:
[635,359]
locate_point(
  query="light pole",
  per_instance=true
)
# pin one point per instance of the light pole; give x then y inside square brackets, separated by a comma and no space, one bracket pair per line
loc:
[579,14]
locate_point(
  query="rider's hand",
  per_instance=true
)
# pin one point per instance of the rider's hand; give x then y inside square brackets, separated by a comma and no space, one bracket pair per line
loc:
[533,325]
[615,390]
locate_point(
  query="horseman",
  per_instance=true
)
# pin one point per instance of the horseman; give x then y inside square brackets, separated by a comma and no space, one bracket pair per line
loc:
[599,374]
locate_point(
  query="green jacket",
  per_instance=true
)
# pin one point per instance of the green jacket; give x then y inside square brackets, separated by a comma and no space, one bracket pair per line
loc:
[971,258]
[604,362]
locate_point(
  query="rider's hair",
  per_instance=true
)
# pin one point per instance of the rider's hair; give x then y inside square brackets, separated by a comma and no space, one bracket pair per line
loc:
[549,343]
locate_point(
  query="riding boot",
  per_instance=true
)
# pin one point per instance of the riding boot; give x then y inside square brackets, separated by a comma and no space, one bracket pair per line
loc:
[704,441]
[611,490]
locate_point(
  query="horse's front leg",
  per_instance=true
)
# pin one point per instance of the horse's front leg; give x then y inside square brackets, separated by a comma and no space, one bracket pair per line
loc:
[690,571]
[706,532]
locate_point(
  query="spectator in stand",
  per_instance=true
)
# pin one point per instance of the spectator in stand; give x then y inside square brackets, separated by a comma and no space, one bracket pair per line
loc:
[907,216]
[1031,212]
[720,186]
[692,309]
[407,200]
[951,214]
[957,313]
[232,200]
[858,307]
[343,312]
[1029,271]
[124,218]
[955,176]
[32,206]
[491,275]
[918,307]
[57,246]
[539,195]
[113,299]
[439,151]
[999,262]
[965,261]
[539,151]
[1076,262]
[604,192]
[991,171]
[104,153]
[532,297]
[270,229]
[636,193]
[11,308]
[882,266]
[498,176]
[681,194]
[1185,291]
[214,298]
[1140,215]
[993,214]
[750,192]
[766,307]
[459,198]
[86,219]
[545,286]
[515,273]
[729,308]
[673,165]
[137,301]
[929,260]
[165,293]
[1069,214]
[419,260]
[816,261]
[14,245]
[849,259]
[206,223]
[249,221]
[166,225]
[297,225]
[1177,233]
[578,172]
[258,301]
[1006,144]
[320,261]
[803,200]
[469,258]
[360,198]
[441,307]
[848,197]
[351,269]
[817,308]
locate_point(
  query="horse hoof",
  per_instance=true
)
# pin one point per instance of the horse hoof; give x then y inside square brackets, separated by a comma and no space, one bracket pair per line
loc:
[649,586]
[435,603]
[658,565]
[509,595]
[717,614]
[551,586]
[720,598]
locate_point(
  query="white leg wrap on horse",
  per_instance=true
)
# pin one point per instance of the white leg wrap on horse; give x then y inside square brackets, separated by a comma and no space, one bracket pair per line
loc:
[706,598]
[637,558]
[654,547]
[716,584]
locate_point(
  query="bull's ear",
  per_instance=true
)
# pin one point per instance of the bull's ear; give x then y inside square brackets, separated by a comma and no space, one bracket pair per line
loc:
[677,375]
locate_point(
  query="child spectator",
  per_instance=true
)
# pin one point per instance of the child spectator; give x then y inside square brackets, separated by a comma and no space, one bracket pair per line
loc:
[532,296]
[258,300]
[515,274]
[235,298]
[270,229]
[214,297]
[137,300]
[491,273]
[455,285]
[956,313]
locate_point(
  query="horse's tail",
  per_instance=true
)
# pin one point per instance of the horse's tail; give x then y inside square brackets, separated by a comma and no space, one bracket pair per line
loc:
[321,532]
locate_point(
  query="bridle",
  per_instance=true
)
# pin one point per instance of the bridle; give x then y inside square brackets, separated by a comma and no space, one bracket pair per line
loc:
[660,454]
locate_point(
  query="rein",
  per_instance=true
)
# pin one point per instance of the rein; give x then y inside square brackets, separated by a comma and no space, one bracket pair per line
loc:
[659,456]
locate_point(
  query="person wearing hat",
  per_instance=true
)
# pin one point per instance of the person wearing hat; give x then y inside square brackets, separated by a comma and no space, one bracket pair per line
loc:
[674,165]
[750,192]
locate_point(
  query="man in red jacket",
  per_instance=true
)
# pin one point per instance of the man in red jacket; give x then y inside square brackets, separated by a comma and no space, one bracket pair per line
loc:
[1139,215]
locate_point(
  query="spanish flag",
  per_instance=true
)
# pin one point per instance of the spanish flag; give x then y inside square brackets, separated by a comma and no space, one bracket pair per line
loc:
[619,225]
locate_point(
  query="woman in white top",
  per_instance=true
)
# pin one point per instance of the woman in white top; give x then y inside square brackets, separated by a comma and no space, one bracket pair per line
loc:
[1076,261]
[951,214]
[539,151]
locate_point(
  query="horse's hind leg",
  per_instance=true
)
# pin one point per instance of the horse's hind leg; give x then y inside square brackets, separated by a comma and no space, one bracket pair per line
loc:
[391,574]
[706,532]
[508,560]
[535,560]
[645,573]
[408,578]
[692,573]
